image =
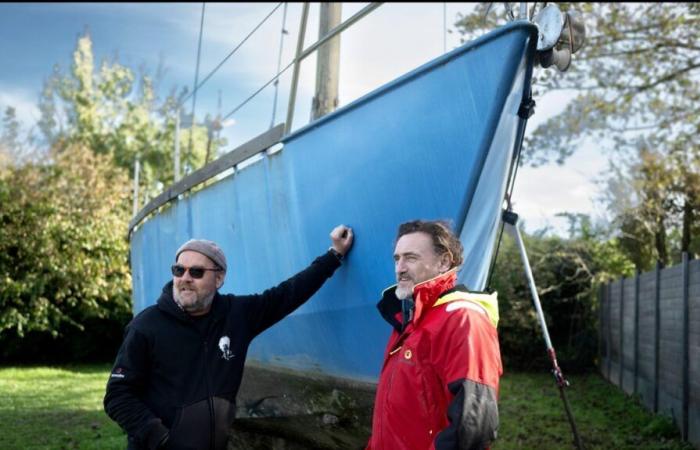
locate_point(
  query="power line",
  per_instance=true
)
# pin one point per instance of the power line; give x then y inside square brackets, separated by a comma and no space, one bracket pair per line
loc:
[218,66]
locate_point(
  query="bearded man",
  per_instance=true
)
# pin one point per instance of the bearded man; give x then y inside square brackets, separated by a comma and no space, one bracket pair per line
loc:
[438,385]
[177,373]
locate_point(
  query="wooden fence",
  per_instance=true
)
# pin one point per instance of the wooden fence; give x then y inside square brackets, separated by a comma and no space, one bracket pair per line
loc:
[650,341]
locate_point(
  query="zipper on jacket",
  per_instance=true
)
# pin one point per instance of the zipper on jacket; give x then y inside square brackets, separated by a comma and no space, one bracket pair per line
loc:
[212,422]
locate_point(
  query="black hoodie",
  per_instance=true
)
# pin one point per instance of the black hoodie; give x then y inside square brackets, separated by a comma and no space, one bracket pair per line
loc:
[170,379]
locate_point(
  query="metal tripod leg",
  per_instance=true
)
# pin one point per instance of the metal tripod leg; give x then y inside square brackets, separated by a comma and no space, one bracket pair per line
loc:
[511,220]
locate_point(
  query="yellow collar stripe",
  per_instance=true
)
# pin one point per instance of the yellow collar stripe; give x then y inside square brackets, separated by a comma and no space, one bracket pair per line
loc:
[487,301]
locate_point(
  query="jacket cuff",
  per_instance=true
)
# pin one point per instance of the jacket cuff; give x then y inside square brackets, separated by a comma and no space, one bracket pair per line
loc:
[330,259]
[155,434]
[336,253]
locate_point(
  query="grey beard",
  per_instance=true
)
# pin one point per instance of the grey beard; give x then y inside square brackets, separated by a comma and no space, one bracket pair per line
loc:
[402,293]
[198,306]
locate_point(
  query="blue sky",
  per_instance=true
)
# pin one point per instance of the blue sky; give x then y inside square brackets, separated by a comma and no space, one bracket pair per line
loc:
[392,40]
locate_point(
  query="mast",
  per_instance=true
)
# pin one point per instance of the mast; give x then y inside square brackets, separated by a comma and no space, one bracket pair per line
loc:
[327,69]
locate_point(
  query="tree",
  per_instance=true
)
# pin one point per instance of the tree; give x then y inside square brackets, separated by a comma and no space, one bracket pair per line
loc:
[111,112]
[636,81]
[63,252]
[567,272]
[15,143]
[65,286]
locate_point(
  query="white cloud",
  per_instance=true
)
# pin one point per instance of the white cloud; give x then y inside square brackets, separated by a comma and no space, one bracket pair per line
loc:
[24,102]
[393,40]
[540,193]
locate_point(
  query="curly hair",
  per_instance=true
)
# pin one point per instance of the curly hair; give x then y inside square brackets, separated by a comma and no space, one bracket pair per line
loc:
[444,240]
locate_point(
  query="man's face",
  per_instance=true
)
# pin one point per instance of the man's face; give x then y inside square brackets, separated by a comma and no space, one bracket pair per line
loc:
[196,295]
[415,261]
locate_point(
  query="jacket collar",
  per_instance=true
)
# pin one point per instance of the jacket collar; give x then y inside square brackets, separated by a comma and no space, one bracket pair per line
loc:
[167,304]
[425,294]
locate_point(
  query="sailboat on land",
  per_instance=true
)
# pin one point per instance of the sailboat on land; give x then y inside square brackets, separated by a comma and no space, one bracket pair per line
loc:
[439,142]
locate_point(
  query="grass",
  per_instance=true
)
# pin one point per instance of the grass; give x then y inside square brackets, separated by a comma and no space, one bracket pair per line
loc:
[56,408]
[61,408]
[533,416]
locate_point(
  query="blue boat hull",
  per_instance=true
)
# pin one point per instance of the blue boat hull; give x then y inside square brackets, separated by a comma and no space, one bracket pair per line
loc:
[435,143]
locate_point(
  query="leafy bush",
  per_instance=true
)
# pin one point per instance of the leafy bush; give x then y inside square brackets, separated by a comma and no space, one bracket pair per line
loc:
[567,272]
[63,255]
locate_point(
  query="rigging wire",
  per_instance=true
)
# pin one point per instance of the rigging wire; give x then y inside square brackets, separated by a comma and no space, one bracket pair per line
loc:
[196,76]
[279,64]
[279,74]
[364,11]
[211,73]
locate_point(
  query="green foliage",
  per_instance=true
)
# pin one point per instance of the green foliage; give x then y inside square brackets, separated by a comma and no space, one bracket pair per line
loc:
[637,90]
[111,112]
[62,252]
[65,283]
[567,273]
[15,142]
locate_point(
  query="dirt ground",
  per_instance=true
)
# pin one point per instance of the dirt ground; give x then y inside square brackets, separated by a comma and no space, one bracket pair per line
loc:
[280,410]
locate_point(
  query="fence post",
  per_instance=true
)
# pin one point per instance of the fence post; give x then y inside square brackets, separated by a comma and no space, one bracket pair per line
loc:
[609,330]
[601,319]
[686,361]
[622,331]
[657,329]
[636,329]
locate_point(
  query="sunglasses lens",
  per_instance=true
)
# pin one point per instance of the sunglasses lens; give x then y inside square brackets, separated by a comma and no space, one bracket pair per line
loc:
[177,271]
[196,272]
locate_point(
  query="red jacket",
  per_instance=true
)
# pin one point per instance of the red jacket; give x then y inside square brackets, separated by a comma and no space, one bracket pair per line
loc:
[438,386]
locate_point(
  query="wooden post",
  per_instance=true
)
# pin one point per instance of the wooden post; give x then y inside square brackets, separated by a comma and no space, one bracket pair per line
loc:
[328,62]
[176,155]
[297,63]
[137,170]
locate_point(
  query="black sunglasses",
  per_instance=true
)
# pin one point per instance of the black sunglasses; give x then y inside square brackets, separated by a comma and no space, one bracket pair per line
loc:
[195,272]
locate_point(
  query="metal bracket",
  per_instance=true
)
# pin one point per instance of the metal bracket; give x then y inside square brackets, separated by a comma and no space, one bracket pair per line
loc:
[527,108]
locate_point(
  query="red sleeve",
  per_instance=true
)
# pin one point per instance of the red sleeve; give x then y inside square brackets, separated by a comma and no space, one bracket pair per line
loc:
[467,356]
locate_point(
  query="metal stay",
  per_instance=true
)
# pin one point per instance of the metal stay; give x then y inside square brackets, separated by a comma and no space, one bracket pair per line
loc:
[510,219]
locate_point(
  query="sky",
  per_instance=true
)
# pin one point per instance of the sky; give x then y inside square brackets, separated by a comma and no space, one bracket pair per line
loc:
[390,41]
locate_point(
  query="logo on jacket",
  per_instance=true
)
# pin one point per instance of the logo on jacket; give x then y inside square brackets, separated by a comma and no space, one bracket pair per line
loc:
[225,347]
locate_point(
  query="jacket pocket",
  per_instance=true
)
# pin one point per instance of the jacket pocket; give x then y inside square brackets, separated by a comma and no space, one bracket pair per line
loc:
[192,428]
[224,413]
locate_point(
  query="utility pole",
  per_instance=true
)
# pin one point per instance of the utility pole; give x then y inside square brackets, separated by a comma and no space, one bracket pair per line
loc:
[328,62]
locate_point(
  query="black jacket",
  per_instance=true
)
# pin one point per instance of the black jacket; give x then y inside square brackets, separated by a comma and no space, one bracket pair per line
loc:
[170,378]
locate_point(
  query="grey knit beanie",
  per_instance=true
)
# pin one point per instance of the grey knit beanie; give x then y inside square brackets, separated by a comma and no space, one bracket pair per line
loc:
[206,248]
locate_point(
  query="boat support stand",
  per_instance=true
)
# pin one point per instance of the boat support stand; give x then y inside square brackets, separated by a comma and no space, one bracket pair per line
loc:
[510,219]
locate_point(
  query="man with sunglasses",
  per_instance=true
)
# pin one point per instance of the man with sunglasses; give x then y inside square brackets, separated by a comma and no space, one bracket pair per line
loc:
[177,373]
